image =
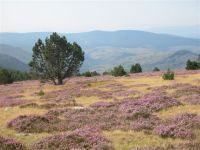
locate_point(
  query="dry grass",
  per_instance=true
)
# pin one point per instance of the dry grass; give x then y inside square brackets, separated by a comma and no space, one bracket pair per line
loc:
[128,140]
[178,110]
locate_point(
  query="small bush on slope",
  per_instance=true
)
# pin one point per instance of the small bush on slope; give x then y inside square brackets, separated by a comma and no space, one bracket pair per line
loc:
[5,77]
[192,65]
[10,144]
[87,138]
[118,71]
[169,75]
[136,68]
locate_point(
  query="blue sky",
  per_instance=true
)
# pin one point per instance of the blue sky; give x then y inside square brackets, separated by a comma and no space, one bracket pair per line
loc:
[85,15]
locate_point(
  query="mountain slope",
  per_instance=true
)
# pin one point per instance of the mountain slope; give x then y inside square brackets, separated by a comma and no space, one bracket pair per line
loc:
[174,61]
[16,52]
[105,49]
[131,39]
[12,63]
[90,40]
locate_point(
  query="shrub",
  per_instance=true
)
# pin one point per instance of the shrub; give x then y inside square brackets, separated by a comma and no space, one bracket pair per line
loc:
[118,71]
[90,74]
[136,68]
[5,77]
[156,69]
[192,65]
[9,76]
[87,74]
[169,75]
[94,73]
[106,73]
[20,76]
[41,93]
[10,144]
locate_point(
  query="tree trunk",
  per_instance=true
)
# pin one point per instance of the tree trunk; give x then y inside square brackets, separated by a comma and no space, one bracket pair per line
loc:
[54,81]
[60,81]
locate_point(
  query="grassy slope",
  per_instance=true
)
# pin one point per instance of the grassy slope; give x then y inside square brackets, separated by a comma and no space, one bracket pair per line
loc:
[120,139]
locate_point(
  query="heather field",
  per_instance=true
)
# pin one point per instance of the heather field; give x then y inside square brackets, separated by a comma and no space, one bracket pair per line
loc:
[136,112]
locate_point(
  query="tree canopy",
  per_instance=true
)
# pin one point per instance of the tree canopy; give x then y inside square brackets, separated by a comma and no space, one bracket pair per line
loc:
[118,71]
[136,68]
[56,58]
[192,65]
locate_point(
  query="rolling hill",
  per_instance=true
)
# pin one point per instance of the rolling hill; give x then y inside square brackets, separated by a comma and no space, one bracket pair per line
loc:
[105,49]
[16,52]
[12,63]
[174,61]
[93,39]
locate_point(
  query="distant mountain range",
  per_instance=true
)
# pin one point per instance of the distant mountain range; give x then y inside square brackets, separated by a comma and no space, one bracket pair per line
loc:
[12,63]
[173,61]
[105,49]
[185,31]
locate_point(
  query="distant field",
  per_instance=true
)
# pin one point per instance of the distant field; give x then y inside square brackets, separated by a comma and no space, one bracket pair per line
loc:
[123,113]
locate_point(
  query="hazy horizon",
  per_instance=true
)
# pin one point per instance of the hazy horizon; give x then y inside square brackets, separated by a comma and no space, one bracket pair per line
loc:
[82,16]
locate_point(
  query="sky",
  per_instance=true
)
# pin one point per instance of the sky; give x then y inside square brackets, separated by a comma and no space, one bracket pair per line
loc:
[87,15]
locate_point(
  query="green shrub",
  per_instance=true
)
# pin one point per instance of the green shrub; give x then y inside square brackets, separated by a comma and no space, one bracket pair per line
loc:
[192,65]
[90,74]
[41,93]
[118,71]
[87,74]
[156,69]
[94,73]
[136,68]
[106,73]
[169,75]
[9,76]
[5,77]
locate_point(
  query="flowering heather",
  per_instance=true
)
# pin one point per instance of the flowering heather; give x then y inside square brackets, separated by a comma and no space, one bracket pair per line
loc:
[125,115]
[88,138]
[186,90]
[193,99]
[6,101]
[32,123]
[65,95]
[180,126]
[145,123]
[125,93]
[149,102]
[96,92]
[10,144]
[77,90]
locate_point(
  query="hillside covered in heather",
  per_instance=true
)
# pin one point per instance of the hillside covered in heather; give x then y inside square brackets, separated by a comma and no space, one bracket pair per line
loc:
[136,112]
